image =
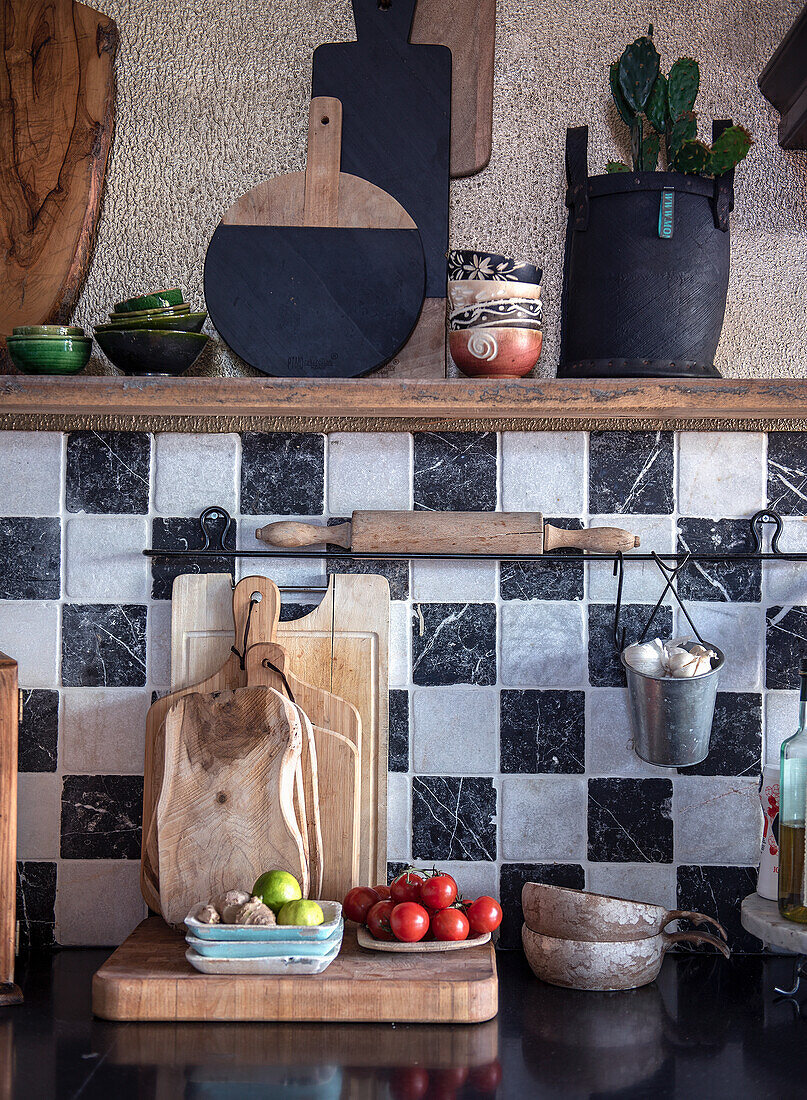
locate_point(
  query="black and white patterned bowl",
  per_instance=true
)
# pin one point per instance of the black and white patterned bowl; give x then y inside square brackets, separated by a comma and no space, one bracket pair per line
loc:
[473,264]
[524,312]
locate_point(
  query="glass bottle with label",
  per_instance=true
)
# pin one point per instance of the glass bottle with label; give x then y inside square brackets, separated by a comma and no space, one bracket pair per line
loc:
[792,807]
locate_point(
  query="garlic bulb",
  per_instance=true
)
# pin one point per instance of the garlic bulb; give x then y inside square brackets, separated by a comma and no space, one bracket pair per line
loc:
[209,915]
[685,662]
[661,659]
[253,912]
[646,658]
[228,902]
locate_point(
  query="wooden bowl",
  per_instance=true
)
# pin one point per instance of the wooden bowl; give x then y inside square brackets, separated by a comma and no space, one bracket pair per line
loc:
[496,352]
[470,292]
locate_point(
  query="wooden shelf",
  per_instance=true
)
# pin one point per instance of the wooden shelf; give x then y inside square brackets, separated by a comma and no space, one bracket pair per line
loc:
[268,404]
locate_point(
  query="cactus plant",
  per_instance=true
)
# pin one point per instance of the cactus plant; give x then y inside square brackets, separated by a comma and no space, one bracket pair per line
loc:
[656,107]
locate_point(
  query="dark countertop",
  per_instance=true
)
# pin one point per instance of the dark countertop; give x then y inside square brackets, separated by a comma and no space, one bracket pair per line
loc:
[706,1028]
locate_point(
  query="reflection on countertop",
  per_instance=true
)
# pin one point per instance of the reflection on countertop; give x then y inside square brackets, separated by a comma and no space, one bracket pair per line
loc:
[706,1028]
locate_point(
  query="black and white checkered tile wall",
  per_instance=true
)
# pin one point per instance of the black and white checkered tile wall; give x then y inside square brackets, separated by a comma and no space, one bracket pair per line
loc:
[510,752]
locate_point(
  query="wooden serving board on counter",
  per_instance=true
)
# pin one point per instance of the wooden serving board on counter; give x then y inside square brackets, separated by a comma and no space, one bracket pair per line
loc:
[148,978]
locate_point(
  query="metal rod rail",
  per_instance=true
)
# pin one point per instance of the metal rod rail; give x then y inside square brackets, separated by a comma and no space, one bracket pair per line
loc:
[570,558]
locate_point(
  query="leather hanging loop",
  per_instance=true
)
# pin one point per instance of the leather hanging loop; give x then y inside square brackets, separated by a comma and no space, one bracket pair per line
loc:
[723,201]
[577,175]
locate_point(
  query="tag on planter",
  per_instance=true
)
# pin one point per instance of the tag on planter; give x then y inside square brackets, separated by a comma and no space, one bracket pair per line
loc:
[666,213]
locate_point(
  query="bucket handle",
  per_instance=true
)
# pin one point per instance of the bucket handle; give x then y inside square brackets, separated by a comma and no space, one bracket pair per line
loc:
[577,174]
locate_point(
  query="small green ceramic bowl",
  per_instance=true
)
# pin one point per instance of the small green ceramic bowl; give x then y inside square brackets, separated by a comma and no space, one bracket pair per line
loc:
[48,330]
[151,351]
[49,354]
[154,300]
[140,314]
[180,322]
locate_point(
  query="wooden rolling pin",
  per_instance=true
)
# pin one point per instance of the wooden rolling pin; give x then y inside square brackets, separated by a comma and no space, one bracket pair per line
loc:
[448,533]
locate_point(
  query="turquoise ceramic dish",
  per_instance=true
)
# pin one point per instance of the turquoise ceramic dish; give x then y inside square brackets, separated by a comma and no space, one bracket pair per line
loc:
[271,949]
[48,330]
[49,354]
[270,966]
[287,933]
[156,299]
[181,322]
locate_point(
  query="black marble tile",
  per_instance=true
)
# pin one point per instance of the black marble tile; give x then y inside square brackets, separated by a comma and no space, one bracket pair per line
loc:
[512,877]
[631,472]
[180,533]
[453,818]
[396,572]
[718,892]
[103,645]
[785,645]
[36,903]
[630,820]
[30,550]
[38,744]
[604,667]
[291,611]
[787,472]
[453,643]
[455,471]
[101,816]
[398,730]
[543,731]
[527,580]
[395,868]
[282,473]
[108,472]
[735,747]
[737,582]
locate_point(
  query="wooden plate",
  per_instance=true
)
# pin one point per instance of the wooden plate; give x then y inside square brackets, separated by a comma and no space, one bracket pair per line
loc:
[366,940]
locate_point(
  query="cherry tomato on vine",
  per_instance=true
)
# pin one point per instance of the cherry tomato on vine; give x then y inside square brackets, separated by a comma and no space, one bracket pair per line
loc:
[382,891]
[484,915]
[409,1083]
[486,1078]
[409,922]
[378,920]
[406,887]
[358,903]
[438,892]
[450,924]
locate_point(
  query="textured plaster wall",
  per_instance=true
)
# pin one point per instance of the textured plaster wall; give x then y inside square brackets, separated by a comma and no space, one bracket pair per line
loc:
[212,99]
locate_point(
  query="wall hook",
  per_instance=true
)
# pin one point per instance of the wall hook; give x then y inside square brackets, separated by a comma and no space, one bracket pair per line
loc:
[208,521]
[758,521]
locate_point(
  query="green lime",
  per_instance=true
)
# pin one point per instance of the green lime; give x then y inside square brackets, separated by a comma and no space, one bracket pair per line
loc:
[307,913]
[275,888]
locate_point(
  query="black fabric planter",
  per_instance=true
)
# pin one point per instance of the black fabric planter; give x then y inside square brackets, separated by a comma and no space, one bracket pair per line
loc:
[636,304]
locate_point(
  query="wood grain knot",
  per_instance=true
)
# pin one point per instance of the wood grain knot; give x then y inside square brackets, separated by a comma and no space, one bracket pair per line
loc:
[221,798]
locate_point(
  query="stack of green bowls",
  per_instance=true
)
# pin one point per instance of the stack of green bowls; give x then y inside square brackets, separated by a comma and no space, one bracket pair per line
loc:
[49,349]
[153,334]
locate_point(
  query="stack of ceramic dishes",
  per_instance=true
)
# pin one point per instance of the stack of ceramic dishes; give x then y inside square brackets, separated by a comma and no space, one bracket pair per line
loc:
[154,334]
[49,349]
[495,319]
[264,949]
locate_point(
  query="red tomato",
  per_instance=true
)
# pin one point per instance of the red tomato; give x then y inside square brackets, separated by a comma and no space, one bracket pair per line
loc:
[484,915]
[378,920]
[450,924]
[486,1078]
[358,903]
[382,891]
[409,1083]
[406,887]
[409,922]
[452,1077]
[438,892]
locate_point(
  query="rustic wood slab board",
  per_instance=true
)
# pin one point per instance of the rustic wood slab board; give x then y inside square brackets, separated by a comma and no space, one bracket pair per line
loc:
[148,978]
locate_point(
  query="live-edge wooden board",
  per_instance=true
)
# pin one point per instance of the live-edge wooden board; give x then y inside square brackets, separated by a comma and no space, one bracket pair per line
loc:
[148,978]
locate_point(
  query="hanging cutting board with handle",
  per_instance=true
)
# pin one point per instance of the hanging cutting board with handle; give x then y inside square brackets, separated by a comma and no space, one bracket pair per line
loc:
[58,89]
[226,808]
[316,274]
[468,28]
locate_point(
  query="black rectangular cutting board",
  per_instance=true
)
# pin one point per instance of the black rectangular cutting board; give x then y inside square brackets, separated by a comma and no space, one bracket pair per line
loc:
[396,126]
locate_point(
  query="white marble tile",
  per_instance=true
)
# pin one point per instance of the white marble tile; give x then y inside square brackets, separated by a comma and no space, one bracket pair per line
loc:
[739,630]
[609,737]
[454,730]
[192,472]
[721,474]
[38,815]
[542,645]
[643,580]
[786,581]
[159,644]
[104,558]
[103,730]
[98,901]
[400,640]
[781,721]
[544,472]
[29,632]
[653,882]
[31,466]
[544,818]
[717,819]
[454,581]
[369,470]
[399,813]
[286,572]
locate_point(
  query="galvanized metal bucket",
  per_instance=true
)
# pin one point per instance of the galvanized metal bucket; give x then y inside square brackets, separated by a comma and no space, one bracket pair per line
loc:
[672,719]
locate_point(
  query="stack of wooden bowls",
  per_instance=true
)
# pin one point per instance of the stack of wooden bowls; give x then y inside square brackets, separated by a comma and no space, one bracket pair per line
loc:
[495,317]
[153,334]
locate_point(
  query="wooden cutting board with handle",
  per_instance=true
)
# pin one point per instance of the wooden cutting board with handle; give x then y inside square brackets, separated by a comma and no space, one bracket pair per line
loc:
[58,88]
[449,533]
[226,809]
[319,273]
